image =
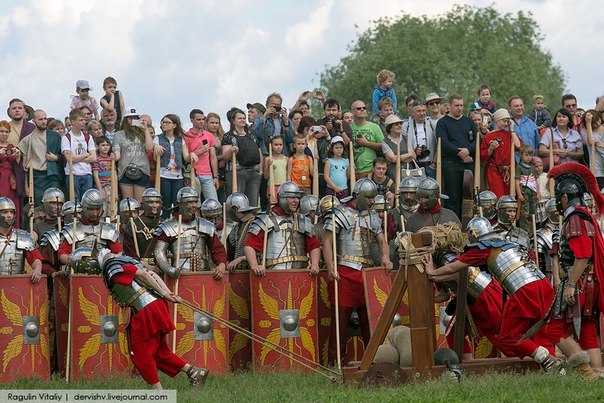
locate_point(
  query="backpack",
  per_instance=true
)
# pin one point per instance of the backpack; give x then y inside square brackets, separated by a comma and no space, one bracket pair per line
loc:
[86,139]
[249,152]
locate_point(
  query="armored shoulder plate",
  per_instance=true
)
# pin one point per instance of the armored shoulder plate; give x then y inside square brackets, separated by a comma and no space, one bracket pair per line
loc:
[67,233]
[343,216]
[495,243]
[375,222]
[168,227]
[304,225]
[109,232]
[545,239]
[519,236]
[24,240]
[573,227]
[52,238]
[206,227]
[260,224]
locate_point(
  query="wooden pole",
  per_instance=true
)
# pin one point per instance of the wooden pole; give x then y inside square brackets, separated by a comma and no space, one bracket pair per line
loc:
[315,172]
[71,182]
[193,179]
[113,196]
[512,168]
[158,173]
[397,174]
[352,167]
[477,162]
[439,171]
[592,157]
[535,242]
[71,292]
[551,161]
[177,266]
[224,225]
[234,167]
[31,197]
[265,239]
[335,282]
[271,177]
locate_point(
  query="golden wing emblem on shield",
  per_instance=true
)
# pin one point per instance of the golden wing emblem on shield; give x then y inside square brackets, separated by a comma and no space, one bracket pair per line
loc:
[239,341]
[89,309]
[89,349]
[185,344]
[380,295]
[219,305]
[11,310]
[269,303]
[307,341]
[483,349]
[324,293]
[124,344]
[62,293]
[306,304]
[238,303]
[274,337]
[220,343]
[186,313]
[44,313]
[12,350]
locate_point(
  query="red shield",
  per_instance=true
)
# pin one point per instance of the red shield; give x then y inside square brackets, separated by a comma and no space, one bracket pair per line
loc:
[377,287]
[23,328]
[99,345]
[240,346]
[284,311]
[199,339]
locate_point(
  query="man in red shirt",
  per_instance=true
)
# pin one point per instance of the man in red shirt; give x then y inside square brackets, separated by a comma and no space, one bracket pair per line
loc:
[202,146]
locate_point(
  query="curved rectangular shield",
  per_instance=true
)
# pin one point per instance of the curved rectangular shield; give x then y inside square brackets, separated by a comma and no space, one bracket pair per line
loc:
[240,346]
[24,340]
[284,311]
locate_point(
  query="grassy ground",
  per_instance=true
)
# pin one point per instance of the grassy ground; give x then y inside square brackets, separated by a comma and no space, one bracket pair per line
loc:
[287,387]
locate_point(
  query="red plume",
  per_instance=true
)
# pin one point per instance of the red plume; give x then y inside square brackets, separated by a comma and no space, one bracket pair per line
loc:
[585,175]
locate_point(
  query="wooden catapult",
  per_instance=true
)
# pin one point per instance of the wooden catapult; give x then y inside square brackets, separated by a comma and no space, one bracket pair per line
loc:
[421,316]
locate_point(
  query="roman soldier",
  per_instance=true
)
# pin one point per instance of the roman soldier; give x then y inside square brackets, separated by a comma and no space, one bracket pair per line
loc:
[146,294]
[16,245]
[127,207]
[242,214]
[325,204]
[507,208]
[290,235]
[308,206]
[357,226]
[429,212]
[407,202]
[488,201]
[52,204]
[211,210]
[144,226]
[90,232]
[546,235]
[196,236]
[580,253]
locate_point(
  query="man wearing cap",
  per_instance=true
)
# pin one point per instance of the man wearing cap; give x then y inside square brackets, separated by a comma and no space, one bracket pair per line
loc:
[524,127]
[495,152]
[433,101]
[42,149]
[421,137]
[253,111]
[458,138]
[366,138]
[203,144]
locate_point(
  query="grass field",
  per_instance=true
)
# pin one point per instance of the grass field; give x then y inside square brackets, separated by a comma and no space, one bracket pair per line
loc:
[288,387]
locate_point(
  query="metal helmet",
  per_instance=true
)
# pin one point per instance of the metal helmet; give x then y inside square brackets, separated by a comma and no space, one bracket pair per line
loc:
[327,203]
[488,200]
[238,203]
[69,208]
[551,211]
[183,196]
[151,195]
[6,204]
[127,208]
[308,204]
[211,210]
[287,189]
[50,196]
[479,228]
[503,204]
[589,201]
[428,188]
[92,199]
[364,189]
[82,262]
[570,187]
[408,185]
[379,203]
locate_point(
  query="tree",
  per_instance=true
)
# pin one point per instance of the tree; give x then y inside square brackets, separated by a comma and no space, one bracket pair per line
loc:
[451,53]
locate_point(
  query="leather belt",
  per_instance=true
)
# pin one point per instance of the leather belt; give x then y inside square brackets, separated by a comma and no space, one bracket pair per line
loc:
[286,259]
[357,259]
[510,270]
[134,297]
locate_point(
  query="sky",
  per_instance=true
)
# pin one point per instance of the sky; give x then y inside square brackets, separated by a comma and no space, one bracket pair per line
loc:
[173,56]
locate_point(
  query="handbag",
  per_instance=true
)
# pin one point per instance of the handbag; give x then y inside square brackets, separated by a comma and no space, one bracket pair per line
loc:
[418,172]
[133,173]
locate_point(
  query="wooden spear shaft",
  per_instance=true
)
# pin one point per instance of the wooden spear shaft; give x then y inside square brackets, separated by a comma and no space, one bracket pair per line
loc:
[439,172]
[271,177]
[352,167]
[31,197]
[177,266]
[397,174]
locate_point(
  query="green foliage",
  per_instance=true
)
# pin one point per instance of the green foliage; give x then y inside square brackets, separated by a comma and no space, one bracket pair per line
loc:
[451,53]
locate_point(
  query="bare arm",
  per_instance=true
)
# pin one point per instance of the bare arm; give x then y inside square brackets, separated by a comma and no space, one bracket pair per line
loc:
[289,168]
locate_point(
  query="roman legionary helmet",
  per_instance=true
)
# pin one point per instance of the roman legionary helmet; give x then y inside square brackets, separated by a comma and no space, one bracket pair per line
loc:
[503,204]
[52,195]
[69,209]
[573,180]
[92,199]
[308,204]
[6,204]
[211,210]
[429,189]
[327,203]
[287,189]
[150,195]
[379,203]
[238,203]
[127,207]
[183,196]
[408,185]
[551,211]
[488,200]
[364,189]
[479,229]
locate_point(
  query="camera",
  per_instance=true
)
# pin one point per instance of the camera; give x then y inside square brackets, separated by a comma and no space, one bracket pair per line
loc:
[9,152]
[316,129]
[424,152]
[335,125]
[277,108]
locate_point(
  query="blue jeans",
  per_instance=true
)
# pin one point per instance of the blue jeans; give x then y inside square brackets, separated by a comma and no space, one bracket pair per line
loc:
[169,190]
[81,184]
[207,187]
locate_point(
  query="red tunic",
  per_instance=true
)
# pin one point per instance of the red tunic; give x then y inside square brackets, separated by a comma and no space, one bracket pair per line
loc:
[498,178]
[8,180]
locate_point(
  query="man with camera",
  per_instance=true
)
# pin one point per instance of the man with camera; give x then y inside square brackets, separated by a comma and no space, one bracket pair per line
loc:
[274,122]
[422,137]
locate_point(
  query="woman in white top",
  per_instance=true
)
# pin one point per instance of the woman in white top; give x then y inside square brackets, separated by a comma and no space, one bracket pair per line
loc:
[594,134]
[568,145]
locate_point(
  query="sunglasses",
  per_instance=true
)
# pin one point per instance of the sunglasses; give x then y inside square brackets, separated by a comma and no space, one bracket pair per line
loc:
[361,108]
[432,103]
[564,144]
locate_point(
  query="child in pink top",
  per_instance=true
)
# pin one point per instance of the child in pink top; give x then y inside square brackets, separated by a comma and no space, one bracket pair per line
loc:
[84,99]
